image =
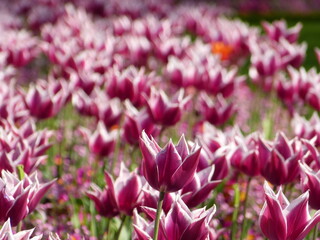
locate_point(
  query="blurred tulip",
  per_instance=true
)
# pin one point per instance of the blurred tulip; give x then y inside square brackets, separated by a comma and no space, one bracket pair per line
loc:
[165,111]
[136,121]
[310,181]
[279,160]
[100,142]
[216,112]
[279,29]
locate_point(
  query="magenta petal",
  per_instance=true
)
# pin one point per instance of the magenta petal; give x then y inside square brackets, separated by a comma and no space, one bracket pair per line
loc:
[140,234]
[182,147]
[128,194]
[271,215]
[177,221]
[264,152]
[5,204]
[19,209]
[196,230]
[168,161]
[150,169]
[201,195]
[283,146]
[297,216]
[184,174]
[39,194]
[315,219]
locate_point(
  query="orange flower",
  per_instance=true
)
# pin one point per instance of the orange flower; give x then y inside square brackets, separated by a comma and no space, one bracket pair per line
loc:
[222,49]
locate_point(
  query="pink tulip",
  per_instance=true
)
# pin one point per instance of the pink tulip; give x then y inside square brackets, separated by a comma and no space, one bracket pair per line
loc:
[281,220]
[310,181]
[180,223]
[170,168]
[279,160]
[121,196]
[165,111]
[279,29]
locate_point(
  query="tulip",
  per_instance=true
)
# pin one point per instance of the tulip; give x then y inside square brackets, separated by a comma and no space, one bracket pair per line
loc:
[121,196]
[310,181]
[20,197]
[180,223]
[279,160]
[307,129]
[170,168]
[281,220]
[165,111]
[279,29]
[130,83]
[101,142]
[245,156]
[46,98]
[216,112]
[198,190]
[6,232]
[135,122]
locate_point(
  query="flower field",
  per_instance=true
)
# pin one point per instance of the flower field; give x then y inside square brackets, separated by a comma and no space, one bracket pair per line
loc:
[141,119]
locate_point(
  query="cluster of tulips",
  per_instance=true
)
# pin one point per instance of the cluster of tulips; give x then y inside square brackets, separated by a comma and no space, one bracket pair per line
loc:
[141,120]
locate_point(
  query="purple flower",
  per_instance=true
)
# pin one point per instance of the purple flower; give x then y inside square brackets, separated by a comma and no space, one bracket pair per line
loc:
[216,112]
[123,195]
[136,121]
[101,142]
[170,168]
[279,160]
[165,111]
[281,220]
[279,29]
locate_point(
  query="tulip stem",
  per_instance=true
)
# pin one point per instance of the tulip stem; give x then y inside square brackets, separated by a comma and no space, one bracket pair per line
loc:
[19,227]
[157,221]
[123,220]
[315,232]
[108,228]
[235,212]
[245,204]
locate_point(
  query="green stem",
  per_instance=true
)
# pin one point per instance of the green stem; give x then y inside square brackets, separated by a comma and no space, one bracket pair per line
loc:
[93,224]
[236,211]
[19,227]
[245,204]
[315,232]
[20,169]
[159,209]
[123,219]
[108,228]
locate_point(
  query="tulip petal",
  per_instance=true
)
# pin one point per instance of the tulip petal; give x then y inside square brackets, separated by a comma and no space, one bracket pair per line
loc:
[297,215]
[315,219]
[184,174]
[271,215]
